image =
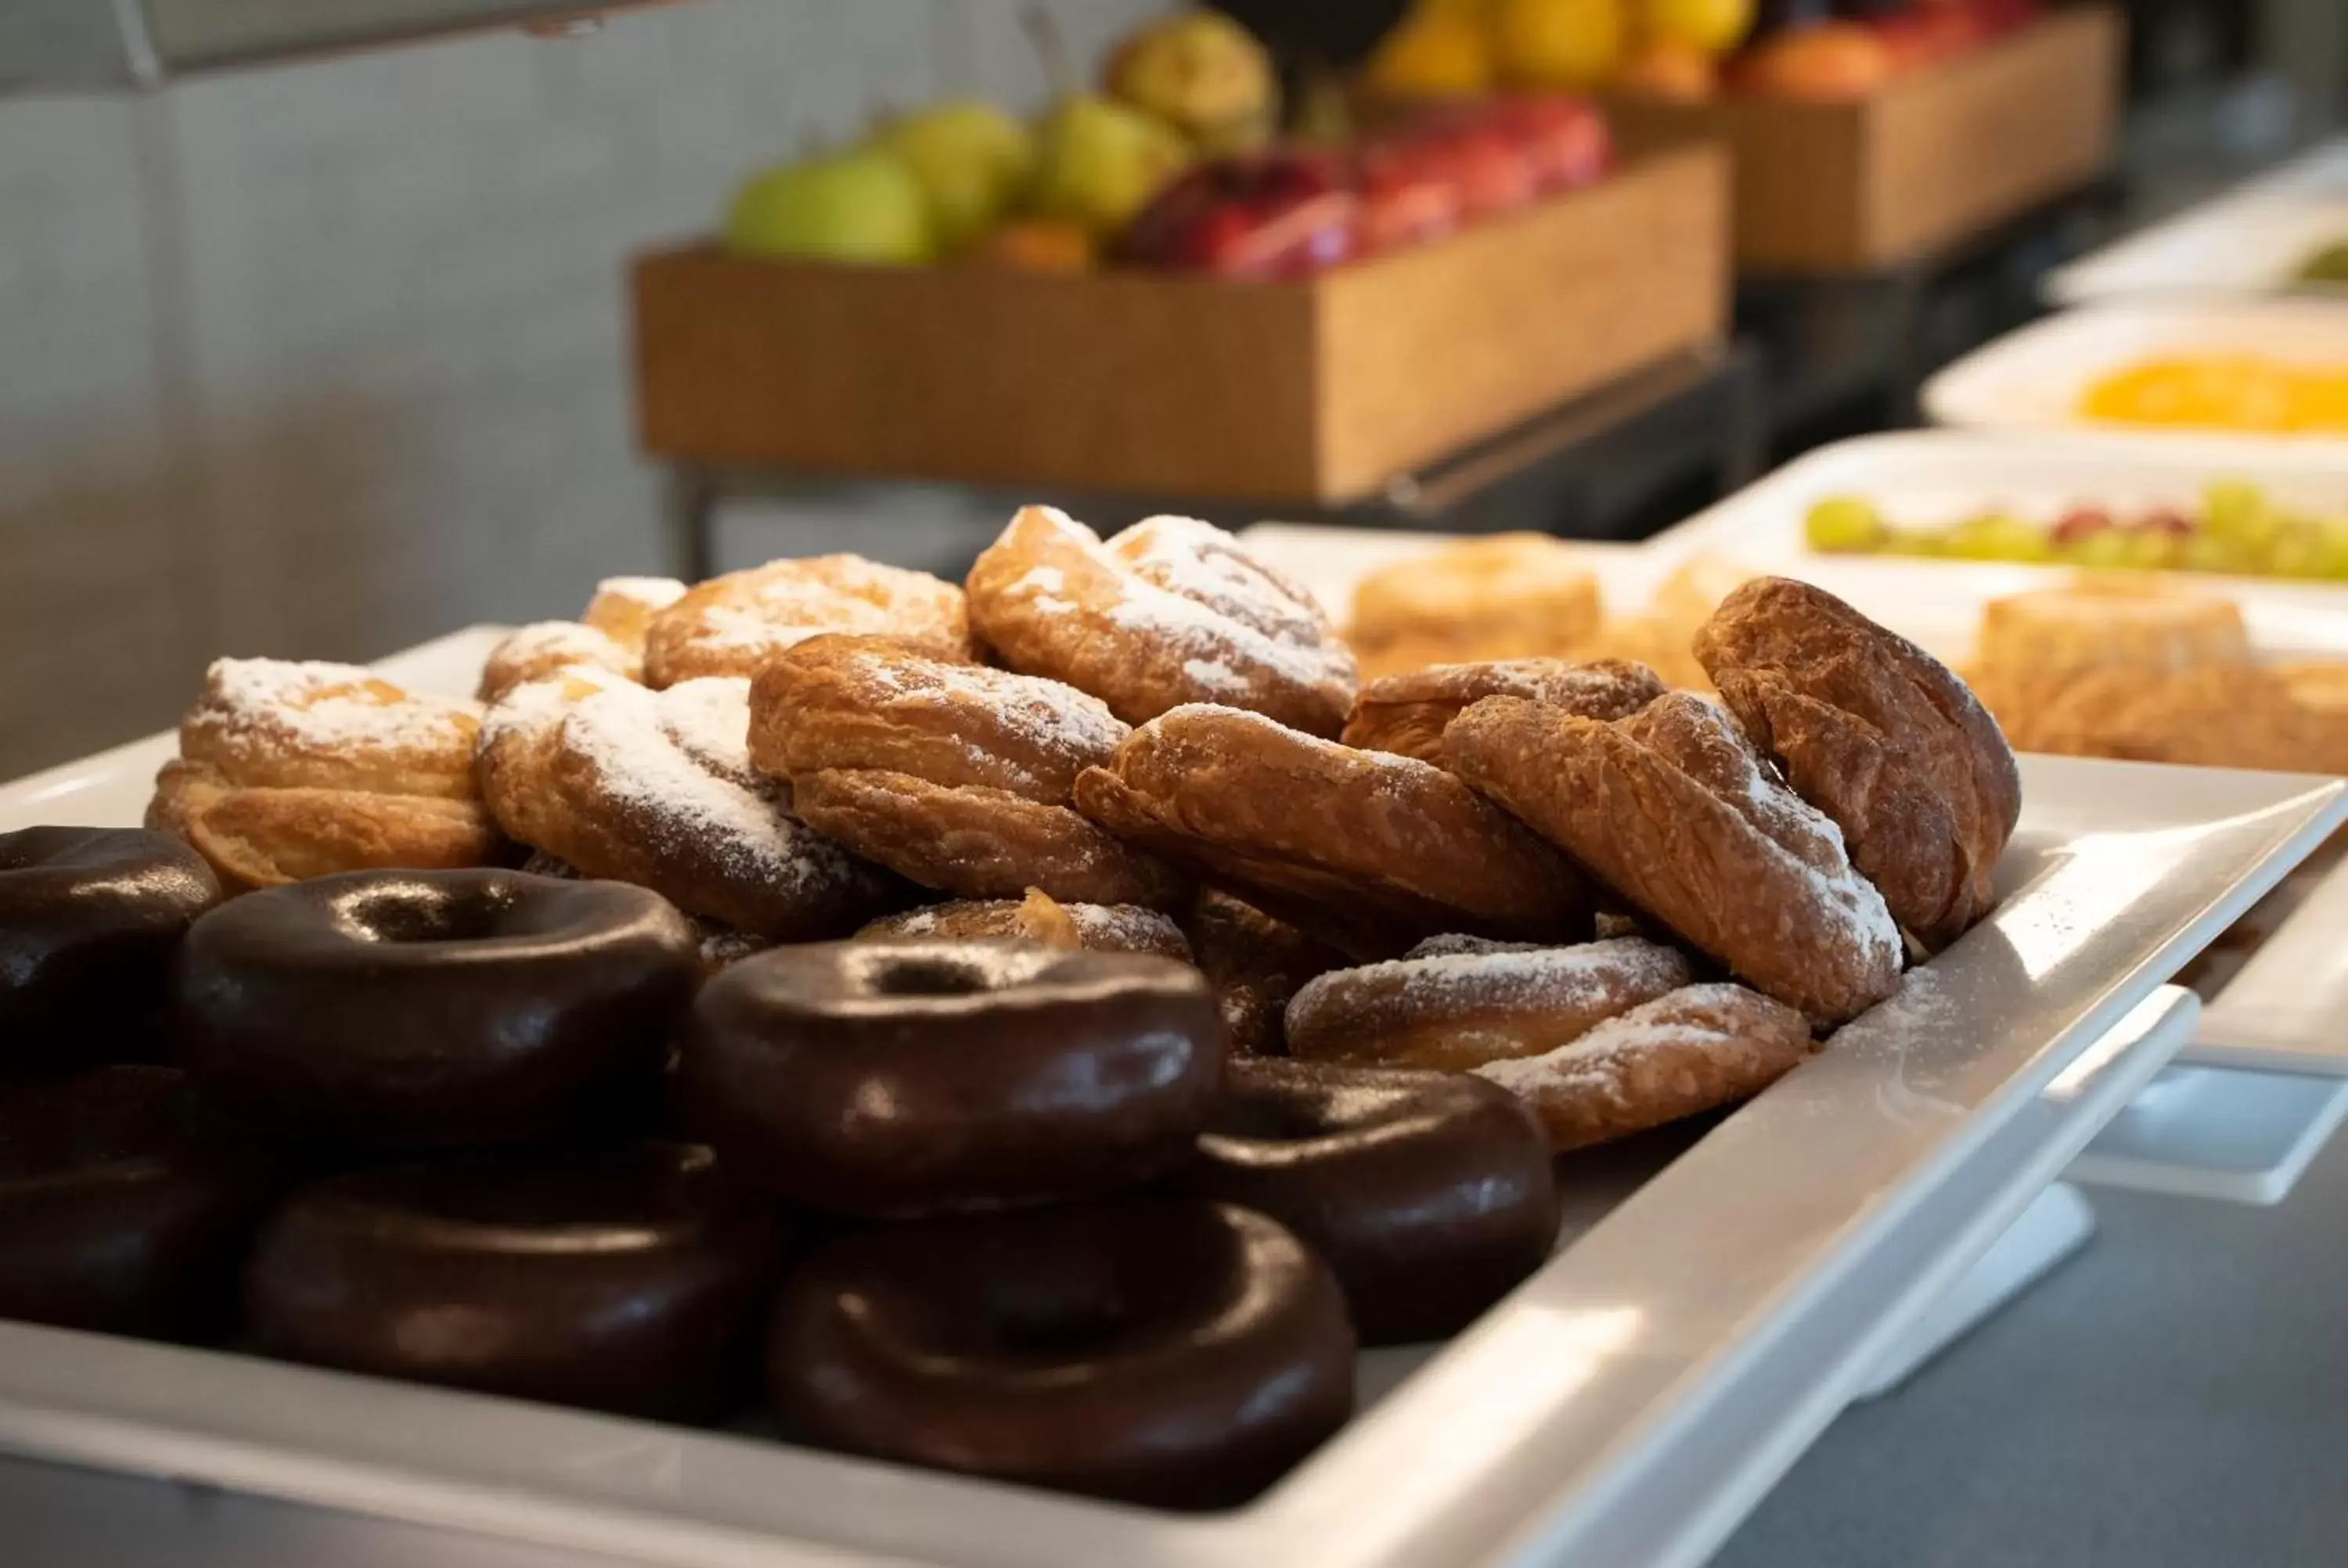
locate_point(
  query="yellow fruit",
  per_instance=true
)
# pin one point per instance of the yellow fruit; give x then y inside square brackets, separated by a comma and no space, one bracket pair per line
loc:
[1436,52]
[1715,27]
[1558,44]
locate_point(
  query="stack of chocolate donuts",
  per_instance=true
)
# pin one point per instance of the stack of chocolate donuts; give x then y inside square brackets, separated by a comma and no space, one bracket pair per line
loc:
[1046,1025]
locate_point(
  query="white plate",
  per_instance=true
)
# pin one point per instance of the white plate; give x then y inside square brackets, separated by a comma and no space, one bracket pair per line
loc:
[2033,379]
[1643,1388]
[1936,477]
[2252,240]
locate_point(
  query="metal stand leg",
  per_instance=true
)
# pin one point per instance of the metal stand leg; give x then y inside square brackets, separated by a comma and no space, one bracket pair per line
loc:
[692,524]
[2055,1225]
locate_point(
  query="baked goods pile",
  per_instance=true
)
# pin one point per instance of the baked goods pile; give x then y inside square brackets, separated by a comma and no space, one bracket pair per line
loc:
[1036,1029]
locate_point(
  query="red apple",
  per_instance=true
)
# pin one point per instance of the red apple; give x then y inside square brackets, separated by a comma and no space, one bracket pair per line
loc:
[1409,196]
[1564,138]
[1273,214]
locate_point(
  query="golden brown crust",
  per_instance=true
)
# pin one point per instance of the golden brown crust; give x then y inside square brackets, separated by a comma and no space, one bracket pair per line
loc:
[1039,917]
[262,837]
[607,777]
[535,652]
[1689,1052]
[1455,1004]
[1368,851]
[954,775]
[978,843]
[1256,963]
[1406,714]
[1672,810]
[1880,736]
[1170,611]
[2217,715]
[733,625]
[288,771]
[2151,627]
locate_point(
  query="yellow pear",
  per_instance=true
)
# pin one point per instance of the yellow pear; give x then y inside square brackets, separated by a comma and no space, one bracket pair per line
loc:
[1569,46]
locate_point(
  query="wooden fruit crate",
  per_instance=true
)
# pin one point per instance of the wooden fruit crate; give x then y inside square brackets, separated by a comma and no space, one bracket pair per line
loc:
[1159,383]
[1939,155]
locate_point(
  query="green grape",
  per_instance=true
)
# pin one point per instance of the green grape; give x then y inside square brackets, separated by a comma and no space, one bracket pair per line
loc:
[2106,549]
[1915,542]
[2151,549]
[1846,524]
[2235,511]
[2205,551]
[2298,549]
[1996,537]
[2333,531]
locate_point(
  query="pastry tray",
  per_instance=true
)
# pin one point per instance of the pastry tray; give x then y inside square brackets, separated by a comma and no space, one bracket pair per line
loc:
[1718,1297]
[2033,379]
[2251,240]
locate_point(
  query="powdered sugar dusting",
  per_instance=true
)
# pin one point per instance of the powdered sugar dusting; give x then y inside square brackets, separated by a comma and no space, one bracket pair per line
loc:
[776,607]
[1598,1057]
[539,704]
[1809,838]
[543,640]
[1189,587]
[685,808]
[1125,928]
[710,719]
[1207,566]
[1462,985]
[327,707]
[1061,730]
[652,592]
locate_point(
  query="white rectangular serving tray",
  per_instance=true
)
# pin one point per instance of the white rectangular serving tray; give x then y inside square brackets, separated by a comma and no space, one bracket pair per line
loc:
[2033,379]
[2251,240]
[1625,1405]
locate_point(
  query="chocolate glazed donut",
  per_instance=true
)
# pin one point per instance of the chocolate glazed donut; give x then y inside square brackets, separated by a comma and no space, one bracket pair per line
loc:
[1430,1194]
[432,1009]
[1179,1354]
[629,1280]
[898,1079]
[122,1209]
[89,918]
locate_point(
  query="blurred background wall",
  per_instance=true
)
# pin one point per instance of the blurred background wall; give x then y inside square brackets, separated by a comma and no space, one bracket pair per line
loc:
[326,359]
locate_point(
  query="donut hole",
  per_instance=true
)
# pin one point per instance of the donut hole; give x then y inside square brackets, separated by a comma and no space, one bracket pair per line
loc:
[926,975]
[405,915]
[918,969]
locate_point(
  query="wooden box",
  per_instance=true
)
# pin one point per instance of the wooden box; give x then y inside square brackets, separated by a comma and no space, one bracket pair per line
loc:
[1181,385]
[1936,156]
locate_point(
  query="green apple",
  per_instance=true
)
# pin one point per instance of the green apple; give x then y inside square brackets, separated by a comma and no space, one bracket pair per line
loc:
[860,206]
[973,160]
[1099,161]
